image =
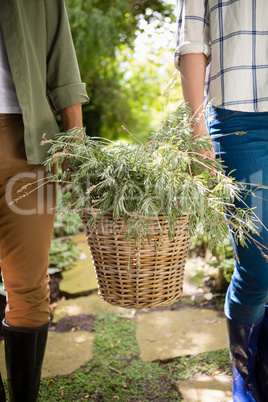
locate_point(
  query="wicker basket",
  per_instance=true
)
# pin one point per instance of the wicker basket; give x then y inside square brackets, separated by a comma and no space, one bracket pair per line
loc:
[138,277]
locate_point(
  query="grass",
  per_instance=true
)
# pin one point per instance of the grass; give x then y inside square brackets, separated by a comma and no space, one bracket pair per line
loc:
[117,373]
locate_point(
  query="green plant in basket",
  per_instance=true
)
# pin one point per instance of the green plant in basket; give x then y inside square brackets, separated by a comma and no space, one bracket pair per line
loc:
[139,203]
[139,182]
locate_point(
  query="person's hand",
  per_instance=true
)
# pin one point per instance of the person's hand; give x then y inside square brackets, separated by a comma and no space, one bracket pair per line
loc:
[200,130]
[65,168]
[71,117]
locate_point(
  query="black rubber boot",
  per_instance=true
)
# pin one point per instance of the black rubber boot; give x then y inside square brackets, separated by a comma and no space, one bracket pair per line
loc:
[2,391]
[243,340]
[24,350]
[263,357]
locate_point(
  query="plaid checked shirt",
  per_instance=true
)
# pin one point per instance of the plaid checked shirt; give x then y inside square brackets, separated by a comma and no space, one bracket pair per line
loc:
[233,34]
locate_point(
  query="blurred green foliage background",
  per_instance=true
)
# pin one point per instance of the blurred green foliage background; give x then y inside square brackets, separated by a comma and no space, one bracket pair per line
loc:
[125,53]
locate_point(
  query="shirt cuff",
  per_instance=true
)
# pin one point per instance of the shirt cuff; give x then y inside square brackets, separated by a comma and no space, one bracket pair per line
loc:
[190,47]
[67,95]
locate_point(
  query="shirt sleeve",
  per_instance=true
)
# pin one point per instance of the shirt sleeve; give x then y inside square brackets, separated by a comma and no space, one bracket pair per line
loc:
[64,86]
[193,34]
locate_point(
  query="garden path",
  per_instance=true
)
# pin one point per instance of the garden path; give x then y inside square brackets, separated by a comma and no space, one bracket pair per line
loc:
[161,333]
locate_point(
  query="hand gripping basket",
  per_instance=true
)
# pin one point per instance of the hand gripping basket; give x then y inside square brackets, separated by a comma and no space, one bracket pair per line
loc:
[138,277]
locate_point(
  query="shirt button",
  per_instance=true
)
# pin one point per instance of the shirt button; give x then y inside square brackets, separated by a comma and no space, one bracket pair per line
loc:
[17,72]
[7,28]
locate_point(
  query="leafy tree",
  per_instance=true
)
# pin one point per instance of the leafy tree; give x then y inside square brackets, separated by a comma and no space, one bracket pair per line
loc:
[122,91]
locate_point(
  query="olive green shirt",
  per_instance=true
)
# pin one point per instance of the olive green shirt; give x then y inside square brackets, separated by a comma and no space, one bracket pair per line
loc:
[43,66]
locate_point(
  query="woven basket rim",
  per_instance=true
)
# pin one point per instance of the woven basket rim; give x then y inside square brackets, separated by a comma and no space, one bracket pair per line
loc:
[108,214]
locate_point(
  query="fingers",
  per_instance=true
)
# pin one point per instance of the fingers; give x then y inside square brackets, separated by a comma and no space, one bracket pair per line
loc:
[65,168]
[63,189]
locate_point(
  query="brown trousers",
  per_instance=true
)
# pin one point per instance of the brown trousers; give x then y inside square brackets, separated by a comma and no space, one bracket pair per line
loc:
[26,228]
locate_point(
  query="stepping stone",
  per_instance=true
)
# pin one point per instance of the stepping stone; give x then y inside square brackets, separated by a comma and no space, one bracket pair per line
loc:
[168,334]
[65,353]
[207,389]
[93,304]
[81,278]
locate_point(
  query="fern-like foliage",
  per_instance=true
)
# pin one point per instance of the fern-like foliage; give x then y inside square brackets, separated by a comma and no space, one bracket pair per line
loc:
[167,176]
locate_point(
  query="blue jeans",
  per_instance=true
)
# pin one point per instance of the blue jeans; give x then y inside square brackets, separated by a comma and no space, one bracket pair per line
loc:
[241,141]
